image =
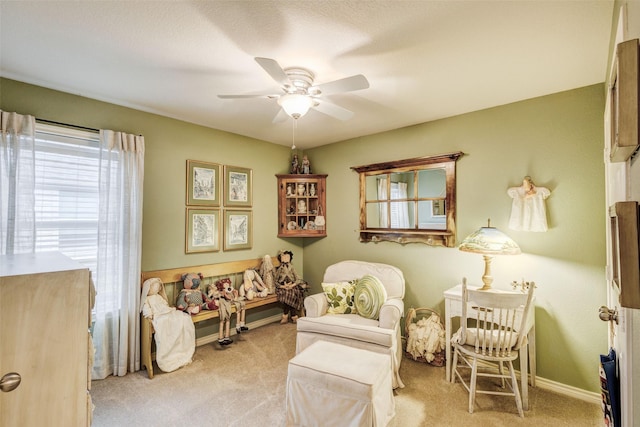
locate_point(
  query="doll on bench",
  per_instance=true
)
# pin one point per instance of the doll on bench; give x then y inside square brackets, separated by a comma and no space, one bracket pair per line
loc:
[225,294]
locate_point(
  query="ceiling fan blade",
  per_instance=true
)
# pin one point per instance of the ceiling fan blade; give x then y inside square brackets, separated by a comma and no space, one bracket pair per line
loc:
[280,117]
[274,69]
[332,110]
[347,84]
[269,95]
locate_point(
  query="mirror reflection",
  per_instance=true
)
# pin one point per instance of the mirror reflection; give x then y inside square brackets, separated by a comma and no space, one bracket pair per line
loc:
[426,201]
[409,200]
[432,183]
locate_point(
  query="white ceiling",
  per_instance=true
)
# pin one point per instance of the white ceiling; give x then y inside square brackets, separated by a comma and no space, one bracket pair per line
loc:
[424,60]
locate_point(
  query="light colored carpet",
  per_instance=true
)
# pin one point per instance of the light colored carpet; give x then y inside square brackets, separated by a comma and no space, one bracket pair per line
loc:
[243,385]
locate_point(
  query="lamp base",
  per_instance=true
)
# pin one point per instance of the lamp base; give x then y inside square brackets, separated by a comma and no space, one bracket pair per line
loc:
[487,278]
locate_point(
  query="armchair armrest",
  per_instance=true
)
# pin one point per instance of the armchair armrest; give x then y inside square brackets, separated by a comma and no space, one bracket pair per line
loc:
[391,312]
[316,305]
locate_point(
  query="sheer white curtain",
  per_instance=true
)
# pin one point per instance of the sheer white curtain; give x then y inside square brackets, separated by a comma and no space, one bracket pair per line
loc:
[399,210]
[382,195]
[17,183]
[116,330]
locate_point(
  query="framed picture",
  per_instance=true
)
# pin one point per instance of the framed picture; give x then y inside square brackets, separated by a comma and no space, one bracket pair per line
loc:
[237,186]
[238,230]
[202,230]
[437,208]
[203,184]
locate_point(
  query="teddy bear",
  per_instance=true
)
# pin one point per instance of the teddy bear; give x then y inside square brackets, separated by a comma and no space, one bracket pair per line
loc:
[191,299]
[252,286]
[225,295]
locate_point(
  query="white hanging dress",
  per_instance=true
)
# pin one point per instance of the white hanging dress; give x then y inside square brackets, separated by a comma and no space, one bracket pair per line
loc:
[528,211]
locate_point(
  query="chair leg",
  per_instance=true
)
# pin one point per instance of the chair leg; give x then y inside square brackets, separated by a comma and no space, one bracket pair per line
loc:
[501,371]
[472,385]
[516,389]
[454,366]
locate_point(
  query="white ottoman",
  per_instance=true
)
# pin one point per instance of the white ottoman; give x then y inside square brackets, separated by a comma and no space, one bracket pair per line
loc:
[334,385]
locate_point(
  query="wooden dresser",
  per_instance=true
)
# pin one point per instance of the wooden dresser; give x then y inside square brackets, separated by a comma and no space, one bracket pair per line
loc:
[45,315]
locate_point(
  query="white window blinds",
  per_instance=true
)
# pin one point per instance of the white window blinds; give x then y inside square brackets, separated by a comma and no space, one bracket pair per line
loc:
[66,192]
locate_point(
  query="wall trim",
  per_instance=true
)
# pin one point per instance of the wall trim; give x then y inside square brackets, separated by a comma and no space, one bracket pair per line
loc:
[567,390]
[563,389]
[252,325]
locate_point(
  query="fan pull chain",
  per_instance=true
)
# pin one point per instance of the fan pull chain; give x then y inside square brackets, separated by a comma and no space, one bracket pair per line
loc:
[295,124]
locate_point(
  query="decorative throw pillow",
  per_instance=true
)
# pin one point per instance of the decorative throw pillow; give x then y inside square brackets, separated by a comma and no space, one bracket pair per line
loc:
[340,297]
[369,296]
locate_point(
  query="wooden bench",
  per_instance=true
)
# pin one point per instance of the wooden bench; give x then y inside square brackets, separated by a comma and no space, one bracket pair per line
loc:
[172,279]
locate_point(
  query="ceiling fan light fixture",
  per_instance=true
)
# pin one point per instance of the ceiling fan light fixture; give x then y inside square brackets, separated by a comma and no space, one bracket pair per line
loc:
[295,105]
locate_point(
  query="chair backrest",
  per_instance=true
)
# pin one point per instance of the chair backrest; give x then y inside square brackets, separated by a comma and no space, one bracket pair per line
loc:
[390,276]
[494,312]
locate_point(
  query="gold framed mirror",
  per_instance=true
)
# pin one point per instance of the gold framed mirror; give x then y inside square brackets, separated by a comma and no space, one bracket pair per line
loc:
[411,200]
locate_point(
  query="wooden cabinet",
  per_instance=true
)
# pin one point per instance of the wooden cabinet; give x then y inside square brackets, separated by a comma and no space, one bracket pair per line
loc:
[302,205]
[44,330]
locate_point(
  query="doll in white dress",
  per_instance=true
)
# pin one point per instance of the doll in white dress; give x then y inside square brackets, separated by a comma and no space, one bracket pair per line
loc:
[175,333]
[528,211]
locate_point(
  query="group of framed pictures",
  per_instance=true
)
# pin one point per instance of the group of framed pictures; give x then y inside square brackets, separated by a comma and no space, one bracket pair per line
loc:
[206,212]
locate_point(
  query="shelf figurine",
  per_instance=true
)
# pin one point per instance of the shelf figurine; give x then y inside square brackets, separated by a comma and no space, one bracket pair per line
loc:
[306,165]
[295,166]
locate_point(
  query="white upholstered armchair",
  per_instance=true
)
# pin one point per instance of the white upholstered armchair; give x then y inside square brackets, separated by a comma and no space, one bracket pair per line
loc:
[381,335]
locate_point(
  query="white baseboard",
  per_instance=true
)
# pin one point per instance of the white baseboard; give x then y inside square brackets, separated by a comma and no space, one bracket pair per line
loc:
[543,383]
[567,390]
[214,337]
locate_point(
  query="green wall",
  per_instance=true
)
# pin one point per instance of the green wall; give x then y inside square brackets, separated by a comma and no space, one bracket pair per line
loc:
[168,145]
[556,139]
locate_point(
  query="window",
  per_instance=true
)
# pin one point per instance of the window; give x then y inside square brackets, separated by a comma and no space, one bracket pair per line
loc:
[410,200]
[66,192]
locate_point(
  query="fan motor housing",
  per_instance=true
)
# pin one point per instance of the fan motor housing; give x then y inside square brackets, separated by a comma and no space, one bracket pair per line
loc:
[301,78]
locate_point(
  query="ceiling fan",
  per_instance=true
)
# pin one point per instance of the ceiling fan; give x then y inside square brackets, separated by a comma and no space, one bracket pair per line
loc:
[300,94]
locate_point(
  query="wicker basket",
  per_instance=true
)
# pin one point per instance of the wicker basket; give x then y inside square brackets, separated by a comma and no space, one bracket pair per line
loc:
[413,316]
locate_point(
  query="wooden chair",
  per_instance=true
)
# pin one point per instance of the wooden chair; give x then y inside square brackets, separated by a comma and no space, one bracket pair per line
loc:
[490,335]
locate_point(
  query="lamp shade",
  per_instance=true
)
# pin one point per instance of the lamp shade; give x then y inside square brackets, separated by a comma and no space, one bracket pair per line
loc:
[295,105]
[489,241]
